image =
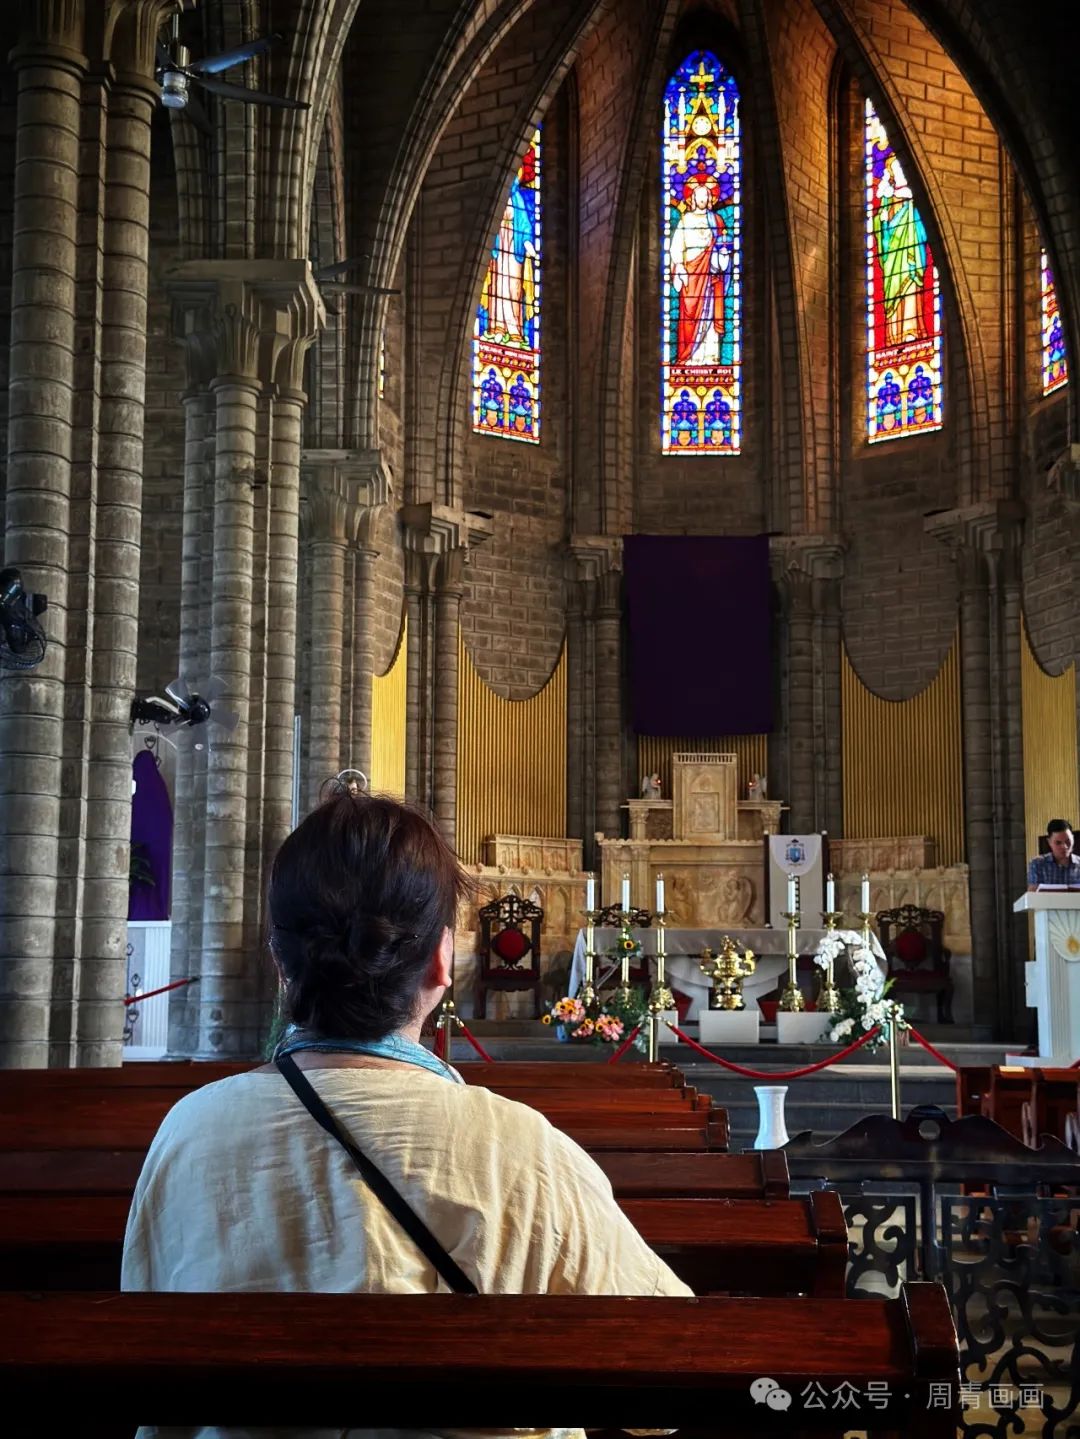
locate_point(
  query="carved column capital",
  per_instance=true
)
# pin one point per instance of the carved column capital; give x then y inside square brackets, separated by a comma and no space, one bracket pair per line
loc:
[362,477]
[132,28]
[52,31]
[984,540]
[590,557]
[261,315]
[807,569]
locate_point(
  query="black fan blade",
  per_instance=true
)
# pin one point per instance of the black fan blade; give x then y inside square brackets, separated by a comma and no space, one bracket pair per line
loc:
[215,689]
[331,272]
[214,64]
[197,115]
[179,692]
[249,97]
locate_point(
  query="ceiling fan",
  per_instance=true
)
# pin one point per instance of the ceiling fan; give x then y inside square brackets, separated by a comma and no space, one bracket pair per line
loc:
[176,73]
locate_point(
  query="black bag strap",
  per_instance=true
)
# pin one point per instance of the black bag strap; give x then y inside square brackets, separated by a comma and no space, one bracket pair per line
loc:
[376,1181]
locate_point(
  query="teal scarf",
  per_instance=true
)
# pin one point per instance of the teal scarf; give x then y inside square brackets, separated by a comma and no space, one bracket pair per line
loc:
[393,1046]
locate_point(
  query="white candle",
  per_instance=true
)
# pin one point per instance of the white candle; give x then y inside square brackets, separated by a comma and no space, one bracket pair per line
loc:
[830,895]
[791,899]
[590,894]
[626,891]
[659,894]
[866,894]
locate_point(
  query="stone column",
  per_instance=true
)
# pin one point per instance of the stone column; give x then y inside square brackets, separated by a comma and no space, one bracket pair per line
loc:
[449,590]
[980,537]
[609,729]
[437,538]
[807,570]
[576,712]
[326,527]
[187,831]
[50,66]
[416,691]
[282,590]
[125,238]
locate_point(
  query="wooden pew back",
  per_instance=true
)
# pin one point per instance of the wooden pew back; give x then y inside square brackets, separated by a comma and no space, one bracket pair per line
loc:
[319,1358]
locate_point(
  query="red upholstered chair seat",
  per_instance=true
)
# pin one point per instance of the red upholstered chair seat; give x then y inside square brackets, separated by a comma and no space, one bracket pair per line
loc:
[510,945]
[910,947]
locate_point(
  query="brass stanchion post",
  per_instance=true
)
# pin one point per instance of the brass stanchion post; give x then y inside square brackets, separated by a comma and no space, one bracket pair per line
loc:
[894,1068]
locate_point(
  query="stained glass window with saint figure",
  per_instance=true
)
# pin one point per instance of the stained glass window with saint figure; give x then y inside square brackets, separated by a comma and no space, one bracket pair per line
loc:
[506,333]
[701,283]
[903,300]
[1055,368]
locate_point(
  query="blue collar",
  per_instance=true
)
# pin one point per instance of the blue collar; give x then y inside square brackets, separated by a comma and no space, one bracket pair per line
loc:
[393,1046]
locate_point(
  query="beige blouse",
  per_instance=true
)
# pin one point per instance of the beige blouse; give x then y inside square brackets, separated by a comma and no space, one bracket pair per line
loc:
[242,1190]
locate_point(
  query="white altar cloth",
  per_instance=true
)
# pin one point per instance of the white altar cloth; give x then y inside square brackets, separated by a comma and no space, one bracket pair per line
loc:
[768,945]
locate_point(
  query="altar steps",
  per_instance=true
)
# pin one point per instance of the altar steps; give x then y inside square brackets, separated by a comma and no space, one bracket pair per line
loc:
[826,1102]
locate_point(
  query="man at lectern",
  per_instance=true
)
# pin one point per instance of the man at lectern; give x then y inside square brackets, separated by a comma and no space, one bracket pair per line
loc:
[1060,867]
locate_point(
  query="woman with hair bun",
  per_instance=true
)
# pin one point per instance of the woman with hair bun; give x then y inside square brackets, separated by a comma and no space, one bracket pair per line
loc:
[357,1161]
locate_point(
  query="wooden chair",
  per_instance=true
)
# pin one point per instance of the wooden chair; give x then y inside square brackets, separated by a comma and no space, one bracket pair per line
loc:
[509,933]
[917,958]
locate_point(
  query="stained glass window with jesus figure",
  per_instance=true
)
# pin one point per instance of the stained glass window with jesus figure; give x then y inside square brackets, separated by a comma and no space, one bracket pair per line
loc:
[701,320]
[1055,368]
[903,300]
[506,333]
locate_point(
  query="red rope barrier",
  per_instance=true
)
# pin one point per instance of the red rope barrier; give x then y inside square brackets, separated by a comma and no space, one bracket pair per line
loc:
[775,1073]
[627,1042]
[937,1054]
[176,984]
[479,1048]
[439,1047]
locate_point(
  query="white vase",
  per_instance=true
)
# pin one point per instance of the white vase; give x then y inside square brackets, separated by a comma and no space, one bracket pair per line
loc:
[772,1130]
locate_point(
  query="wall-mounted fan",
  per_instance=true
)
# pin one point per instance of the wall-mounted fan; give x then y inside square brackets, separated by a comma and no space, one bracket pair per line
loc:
[185,713]
[176,73]
[22,639]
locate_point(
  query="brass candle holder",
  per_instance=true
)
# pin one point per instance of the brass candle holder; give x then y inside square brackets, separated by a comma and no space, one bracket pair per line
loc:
[661,998]
[791,997]
[727,970]
[828,1001]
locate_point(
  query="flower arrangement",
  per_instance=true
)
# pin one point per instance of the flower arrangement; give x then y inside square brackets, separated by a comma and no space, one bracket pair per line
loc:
[607,1021]
[865,1005]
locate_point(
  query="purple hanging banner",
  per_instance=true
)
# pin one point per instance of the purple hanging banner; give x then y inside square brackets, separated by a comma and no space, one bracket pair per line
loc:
[699,610]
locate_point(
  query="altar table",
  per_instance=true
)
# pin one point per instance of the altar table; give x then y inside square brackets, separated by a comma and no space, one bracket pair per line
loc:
[769,947]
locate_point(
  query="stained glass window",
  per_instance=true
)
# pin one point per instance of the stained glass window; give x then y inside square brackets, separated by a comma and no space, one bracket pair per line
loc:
[506,335]
[701,320]
[903,300]
[1055,369]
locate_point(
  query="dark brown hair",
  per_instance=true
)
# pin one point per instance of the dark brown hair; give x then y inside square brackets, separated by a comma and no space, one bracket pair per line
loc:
[360,895]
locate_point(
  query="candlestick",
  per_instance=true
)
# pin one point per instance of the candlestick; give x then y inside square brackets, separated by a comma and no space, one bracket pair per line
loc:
[660,894]
[792,898]
[661,998]
[830,894]
[791,997]
[828,1000]
[625,893]
[590,894]
[865,894]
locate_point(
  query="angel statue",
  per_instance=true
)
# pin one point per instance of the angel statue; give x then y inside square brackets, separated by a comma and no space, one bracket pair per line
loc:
[650,786]
[758,787]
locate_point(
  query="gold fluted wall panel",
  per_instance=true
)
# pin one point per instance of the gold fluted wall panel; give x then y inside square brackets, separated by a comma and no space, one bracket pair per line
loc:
[388,723]
[511,760]
[903,761]
[1051,788]
[654,755]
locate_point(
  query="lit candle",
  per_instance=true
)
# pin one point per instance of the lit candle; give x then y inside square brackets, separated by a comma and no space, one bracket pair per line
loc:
[659,894]
[866,894]
[830,895]
[590,894]
[626,891]
[791,895]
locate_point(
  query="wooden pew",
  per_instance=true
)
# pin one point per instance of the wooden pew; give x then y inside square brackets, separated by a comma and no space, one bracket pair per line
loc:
[761,1246]
[511,1074]
[972,1085]
[1052,1101]
[414,1360]
[129,1118]
[633,1175]
[1008,1092]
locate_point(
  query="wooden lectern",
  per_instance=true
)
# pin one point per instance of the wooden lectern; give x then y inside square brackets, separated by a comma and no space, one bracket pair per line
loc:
[1053,980]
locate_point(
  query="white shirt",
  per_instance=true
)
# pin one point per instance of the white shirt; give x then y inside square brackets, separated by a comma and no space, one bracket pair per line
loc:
[243,1191]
